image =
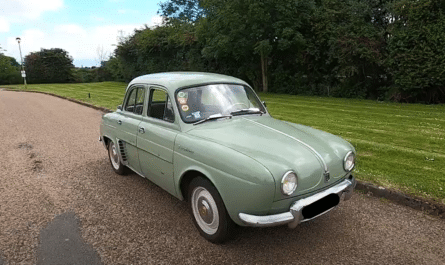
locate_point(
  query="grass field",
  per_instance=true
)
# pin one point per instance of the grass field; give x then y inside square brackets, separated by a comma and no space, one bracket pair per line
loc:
[400,146]
[106,94]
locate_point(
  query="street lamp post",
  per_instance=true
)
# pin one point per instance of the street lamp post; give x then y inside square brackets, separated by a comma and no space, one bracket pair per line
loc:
[21,61]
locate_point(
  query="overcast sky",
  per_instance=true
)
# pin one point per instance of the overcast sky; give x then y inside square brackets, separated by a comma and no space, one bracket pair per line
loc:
[77,26]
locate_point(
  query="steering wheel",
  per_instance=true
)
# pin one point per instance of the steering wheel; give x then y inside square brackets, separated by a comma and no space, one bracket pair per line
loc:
[231,106]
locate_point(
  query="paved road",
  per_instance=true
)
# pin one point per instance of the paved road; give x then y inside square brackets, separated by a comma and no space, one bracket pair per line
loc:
[52,166]
[61,243]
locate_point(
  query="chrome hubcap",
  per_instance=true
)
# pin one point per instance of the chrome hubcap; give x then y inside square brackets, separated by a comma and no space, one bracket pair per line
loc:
[114,156]
[205,210]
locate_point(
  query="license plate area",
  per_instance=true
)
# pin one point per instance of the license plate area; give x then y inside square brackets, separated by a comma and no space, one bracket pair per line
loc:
[320,206]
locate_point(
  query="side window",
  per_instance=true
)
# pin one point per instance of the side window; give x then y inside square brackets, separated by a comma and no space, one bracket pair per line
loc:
[140,100]
[160,106]
[131,100]
[169,115]
[135,101]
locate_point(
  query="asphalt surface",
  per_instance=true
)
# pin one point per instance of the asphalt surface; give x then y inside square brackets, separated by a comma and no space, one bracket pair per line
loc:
[56,183]
[61,243]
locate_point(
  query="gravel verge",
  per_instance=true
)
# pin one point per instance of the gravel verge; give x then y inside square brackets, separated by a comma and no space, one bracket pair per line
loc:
[424,205]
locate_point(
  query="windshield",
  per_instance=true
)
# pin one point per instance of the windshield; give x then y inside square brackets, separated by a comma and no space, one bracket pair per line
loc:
[198,103]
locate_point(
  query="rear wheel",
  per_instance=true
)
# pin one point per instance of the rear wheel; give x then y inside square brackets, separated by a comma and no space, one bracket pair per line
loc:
[208,211]
[113,155]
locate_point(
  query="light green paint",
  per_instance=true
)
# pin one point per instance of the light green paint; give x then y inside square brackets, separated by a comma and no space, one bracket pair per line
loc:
[244,157]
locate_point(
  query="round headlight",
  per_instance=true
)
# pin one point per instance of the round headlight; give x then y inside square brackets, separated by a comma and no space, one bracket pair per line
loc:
[289,183]
[349,161]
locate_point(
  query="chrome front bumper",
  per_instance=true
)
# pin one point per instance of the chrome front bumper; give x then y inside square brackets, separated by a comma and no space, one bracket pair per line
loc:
[103,142]
[295,215]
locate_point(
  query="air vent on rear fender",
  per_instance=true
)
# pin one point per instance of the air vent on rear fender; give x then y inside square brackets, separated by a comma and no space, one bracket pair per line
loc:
[122,150]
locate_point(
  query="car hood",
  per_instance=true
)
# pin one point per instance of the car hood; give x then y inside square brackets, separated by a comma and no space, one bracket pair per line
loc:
[281,146]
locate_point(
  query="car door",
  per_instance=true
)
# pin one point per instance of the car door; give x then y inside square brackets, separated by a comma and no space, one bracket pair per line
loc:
[156,138]
[128,123]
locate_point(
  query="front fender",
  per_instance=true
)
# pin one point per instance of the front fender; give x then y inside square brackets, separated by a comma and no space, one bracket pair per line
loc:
[243,183]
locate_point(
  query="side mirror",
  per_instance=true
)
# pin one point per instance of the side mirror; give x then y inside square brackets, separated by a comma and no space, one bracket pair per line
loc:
[264,103]
[119,107]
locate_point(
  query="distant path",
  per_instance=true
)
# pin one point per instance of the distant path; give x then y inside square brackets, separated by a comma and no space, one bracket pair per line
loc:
[52,163]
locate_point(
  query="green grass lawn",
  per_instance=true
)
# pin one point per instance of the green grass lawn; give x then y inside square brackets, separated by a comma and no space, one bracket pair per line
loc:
[106,94]
[399,146]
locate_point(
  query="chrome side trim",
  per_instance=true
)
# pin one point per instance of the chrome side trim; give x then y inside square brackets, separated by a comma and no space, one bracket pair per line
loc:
[319,157]
[295,215]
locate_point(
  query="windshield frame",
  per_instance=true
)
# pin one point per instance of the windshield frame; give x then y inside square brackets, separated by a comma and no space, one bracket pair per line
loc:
[214,83]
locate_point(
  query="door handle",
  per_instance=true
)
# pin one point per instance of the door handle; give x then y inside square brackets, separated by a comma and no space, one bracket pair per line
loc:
[119,122]
[141,129]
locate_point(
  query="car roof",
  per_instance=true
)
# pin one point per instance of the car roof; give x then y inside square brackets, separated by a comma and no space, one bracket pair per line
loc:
[174,80]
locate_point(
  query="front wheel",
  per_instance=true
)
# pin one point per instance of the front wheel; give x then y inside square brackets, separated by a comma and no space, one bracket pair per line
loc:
[115,160]
[209,213]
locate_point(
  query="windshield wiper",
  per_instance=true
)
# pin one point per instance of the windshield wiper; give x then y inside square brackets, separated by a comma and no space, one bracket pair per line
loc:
[247,111]
[213,117]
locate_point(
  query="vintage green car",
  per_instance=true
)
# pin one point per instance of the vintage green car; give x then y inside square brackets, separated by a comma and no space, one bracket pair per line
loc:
[208,139]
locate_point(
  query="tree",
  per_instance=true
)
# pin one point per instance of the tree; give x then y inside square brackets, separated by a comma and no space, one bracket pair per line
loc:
[9,70]
[416,51]
[171,47]
[102,55]
[49,66]
[255,34]
[182,10]
[346,48]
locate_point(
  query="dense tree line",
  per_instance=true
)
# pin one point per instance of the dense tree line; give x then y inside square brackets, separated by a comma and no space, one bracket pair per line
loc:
[9,70]
[91,74]
[379,49]
[56,66]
